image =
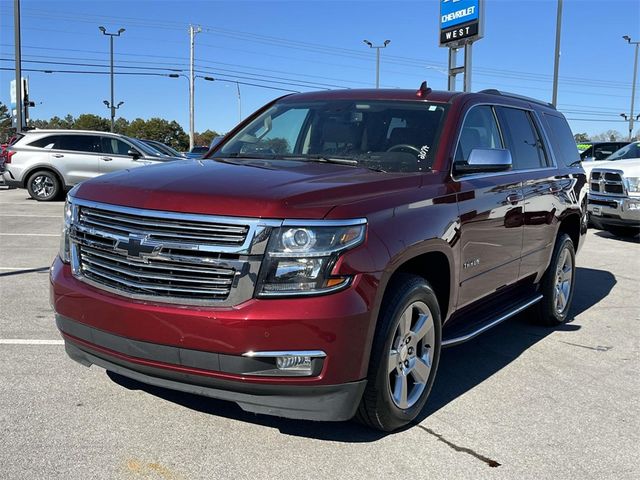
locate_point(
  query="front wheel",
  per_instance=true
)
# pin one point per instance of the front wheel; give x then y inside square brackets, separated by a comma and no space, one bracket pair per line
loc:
[558,283]
[404,357]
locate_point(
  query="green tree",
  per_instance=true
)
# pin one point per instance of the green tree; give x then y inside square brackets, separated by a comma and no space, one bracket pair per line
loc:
[121,125]
[89,121]
[581,137]
[5,122]
[161,130]
[63,123]
[205,137]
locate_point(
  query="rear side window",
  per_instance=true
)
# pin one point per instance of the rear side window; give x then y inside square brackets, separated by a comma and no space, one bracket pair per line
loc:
[80,143]
[522,138]
[115,146]
[480,130]
[564,145]
[46,142]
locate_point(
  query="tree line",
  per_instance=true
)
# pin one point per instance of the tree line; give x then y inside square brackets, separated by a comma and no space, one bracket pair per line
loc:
[165,131]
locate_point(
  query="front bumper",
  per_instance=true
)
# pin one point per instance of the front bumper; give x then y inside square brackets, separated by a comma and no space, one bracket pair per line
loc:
[609,210]
[200,350]
[322,402]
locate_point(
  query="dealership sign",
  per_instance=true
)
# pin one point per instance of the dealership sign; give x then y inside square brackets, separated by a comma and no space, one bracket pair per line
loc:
[461,21]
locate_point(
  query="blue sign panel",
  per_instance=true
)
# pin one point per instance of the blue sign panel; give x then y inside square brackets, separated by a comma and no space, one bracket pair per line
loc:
[457,12]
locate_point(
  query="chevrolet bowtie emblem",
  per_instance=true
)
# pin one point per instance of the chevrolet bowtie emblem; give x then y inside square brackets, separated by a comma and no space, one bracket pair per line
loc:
[136,247]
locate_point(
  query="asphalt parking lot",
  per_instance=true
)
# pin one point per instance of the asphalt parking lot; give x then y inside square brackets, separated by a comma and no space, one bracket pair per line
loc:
[519,402]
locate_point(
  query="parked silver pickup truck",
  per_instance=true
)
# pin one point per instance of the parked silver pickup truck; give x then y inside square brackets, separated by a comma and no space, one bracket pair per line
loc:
[614,197]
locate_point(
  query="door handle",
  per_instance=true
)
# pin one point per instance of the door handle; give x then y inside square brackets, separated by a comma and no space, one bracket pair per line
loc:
[515,198]
[106,159]
[58,155]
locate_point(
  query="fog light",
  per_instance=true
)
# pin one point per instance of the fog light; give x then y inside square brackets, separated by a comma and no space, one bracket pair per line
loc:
[297,363]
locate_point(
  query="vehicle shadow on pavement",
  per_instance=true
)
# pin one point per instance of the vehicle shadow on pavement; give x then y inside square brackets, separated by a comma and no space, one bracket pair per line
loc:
[605,234]
[461,369]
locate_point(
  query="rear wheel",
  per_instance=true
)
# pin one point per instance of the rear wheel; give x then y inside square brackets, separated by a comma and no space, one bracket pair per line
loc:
[43,186]
[404,357]
[558,283]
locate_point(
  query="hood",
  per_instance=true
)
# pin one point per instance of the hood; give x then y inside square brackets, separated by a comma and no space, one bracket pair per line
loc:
[247,188]
[630,166]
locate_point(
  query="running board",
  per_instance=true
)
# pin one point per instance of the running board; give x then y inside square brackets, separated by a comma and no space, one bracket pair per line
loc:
[450,342]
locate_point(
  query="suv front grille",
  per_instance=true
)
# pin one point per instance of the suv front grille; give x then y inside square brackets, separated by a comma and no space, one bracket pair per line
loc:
[170,230]
[607,182]
[167,256]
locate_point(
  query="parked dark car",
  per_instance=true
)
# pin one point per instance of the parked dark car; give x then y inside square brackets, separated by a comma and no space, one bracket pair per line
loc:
[163,148]
[600,150]
[197,152]
[318,261]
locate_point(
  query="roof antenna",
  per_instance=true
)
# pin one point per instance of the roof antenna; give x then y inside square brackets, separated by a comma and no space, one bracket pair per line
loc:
[423,91]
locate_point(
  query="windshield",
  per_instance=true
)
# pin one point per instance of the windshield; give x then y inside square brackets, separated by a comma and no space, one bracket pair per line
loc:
[391,136]
[630,151]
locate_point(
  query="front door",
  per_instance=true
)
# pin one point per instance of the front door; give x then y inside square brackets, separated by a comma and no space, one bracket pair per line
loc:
[490,207]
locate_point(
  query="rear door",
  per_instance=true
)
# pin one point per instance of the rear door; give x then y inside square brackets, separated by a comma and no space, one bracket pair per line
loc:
[491,212]
[76,156]
[540,186]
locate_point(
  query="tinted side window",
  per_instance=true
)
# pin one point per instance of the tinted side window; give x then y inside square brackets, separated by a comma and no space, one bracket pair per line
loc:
[480,130]
[522,139]
[115,146]
[80,143]
[46,142]
[564,145]
[601,152]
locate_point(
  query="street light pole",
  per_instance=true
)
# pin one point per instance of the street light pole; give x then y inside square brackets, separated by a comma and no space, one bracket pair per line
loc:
[377,47]
[111,105]
[192,36]
[17,42]
[556,62]
[633,85]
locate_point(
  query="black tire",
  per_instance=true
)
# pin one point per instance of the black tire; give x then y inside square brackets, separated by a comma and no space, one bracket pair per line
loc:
[549,312]
[622,231]
[378,409]
[44,186]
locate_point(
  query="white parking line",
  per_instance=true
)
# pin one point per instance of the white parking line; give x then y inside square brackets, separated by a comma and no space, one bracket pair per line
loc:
[17,269]
[31,216]
[22,341]
[29,234]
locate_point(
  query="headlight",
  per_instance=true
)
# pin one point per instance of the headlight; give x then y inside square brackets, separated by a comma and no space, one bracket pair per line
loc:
[299,258]
[65,245]
[632,184]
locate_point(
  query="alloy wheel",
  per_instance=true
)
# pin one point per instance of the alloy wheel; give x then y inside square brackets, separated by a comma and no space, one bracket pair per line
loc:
[43,186]
[563,284]
[411,355]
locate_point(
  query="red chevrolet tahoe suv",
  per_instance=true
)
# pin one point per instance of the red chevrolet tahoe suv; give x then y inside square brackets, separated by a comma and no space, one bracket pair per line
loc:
[314,265]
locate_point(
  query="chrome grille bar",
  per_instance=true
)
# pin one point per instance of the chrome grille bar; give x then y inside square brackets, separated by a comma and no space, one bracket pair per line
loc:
[167,257]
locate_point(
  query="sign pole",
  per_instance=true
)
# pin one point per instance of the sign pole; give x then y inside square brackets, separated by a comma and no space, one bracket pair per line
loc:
[452,66]
[467,66]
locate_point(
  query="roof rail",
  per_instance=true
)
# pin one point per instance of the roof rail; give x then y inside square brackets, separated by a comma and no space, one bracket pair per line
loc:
[493,91]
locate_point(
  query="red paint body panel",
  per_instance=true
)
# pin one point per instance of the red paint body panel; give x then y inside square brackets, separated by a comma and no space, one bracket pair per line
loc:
[338,324]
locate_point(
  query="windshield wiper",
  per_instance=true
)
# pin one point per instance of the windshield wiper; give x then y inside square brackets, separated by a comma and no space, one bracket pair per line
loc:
[321,159]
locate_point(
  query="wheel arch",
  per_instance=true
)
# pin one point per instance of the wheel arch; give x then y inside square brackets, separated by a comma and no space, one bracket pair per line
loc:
[36,168]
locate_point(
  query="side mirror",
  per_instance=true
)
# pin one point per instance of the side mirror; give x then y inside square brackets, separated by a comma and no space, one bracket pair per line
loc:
[133,153]
[485,160]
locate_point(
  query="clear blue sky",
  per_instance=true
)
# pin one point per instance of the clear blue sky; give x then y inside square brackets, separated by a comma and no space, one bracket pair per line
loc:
[315,44]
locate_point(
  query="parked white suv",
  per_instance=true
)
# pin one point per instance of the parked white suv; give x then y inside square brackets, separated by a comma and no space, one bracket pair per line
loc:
[614,197]
[50,162]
